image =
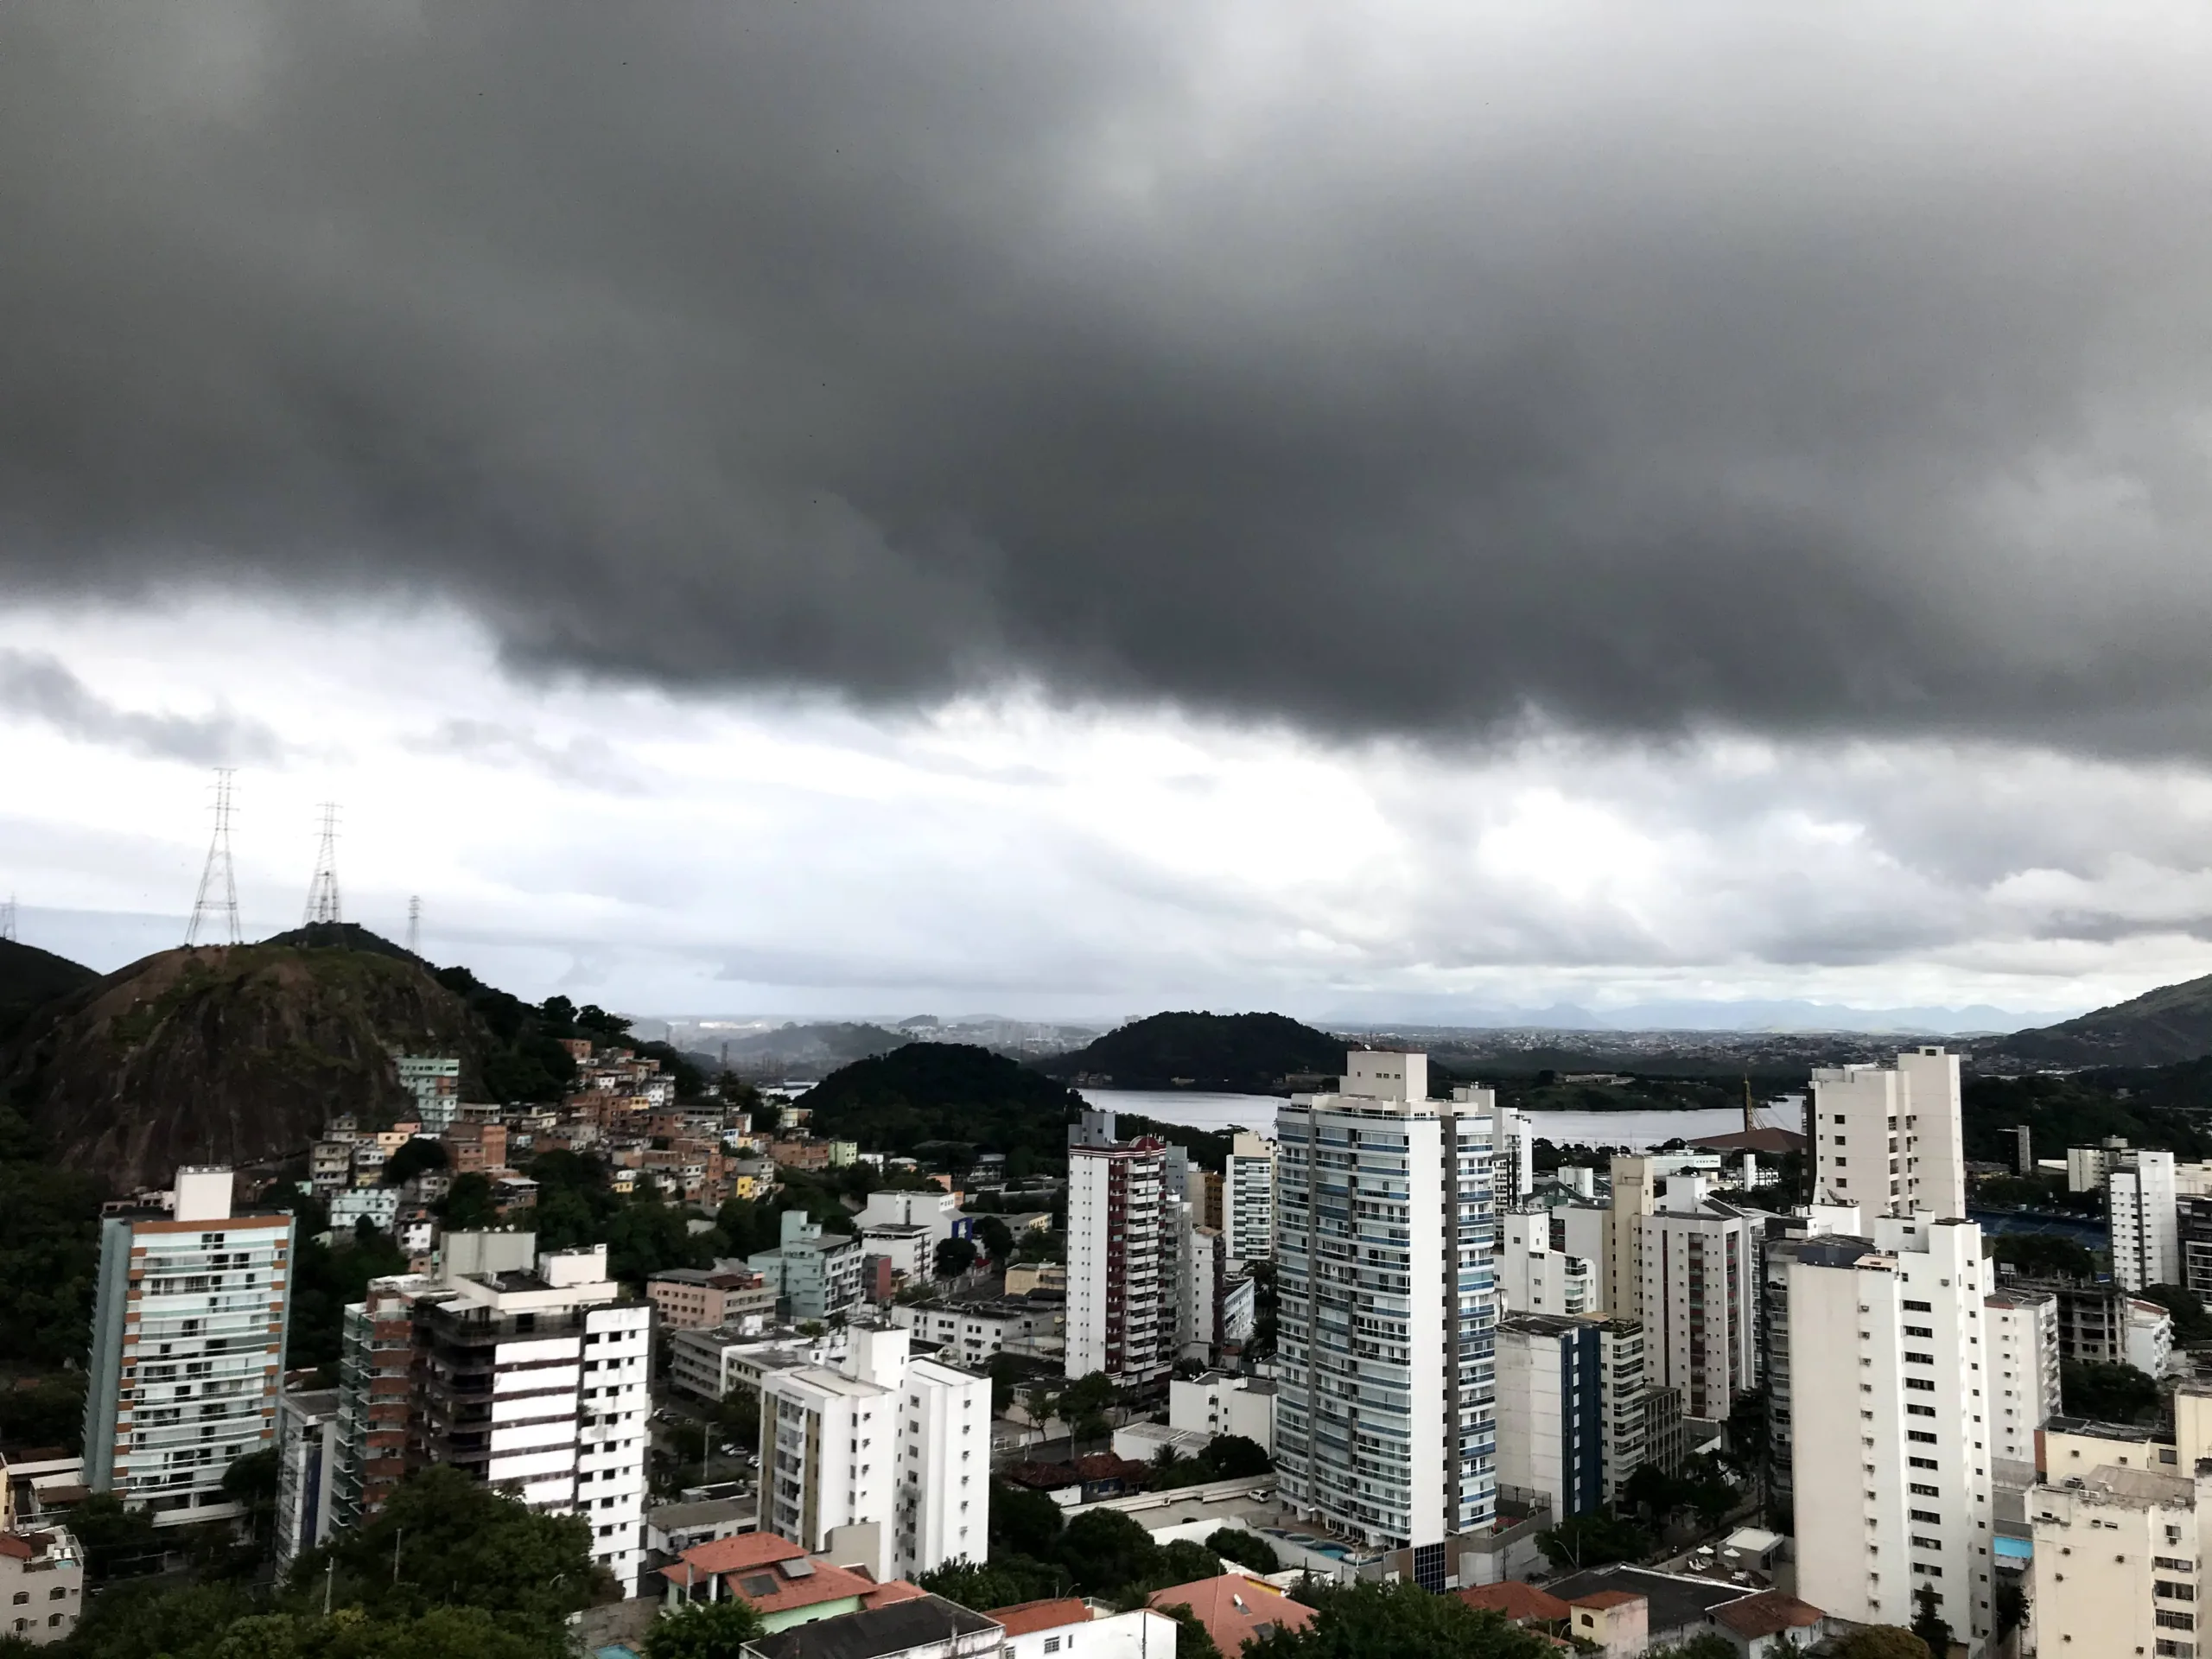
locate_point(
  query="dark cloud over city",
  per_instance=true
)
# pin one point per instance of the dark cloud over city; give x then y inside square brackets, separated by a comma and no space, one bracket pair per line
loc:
[1381,371]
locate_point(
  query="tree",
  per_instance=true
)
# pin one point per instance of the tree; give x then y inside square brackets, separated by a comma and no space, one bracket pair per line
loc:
[1881,1642]
[1929,1624]
[1106,1551]
[1005,1581]
[1184,1562]
[2041,1254]
[2012,1606]
[1245,1548]
[421,1152]
[1368,1620]
[1192,1639]
[997,1240]
[1593,1539]
[1023,1523]
[2109,1392]
[703,1630]
[1233,1457]
[467,1205]
[1711,1645]
[2191,1322]
[955,1256]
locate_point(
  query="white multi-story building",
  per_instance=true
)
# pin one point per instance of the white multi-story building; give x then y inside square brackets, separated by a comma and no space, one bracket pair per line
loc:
[1701,1278]
[1635,1195]
[1553,1260]
[1888,1138]
[938,1211]
[1550,1412]
[1220,1403]
[188,1347]
[1122,1310]
[1513,1156]
[2120,1541]
[2021,1327]
[1247,1198]
[1890,1440]
[2142,1213]
[974,1333]
[308,1451]
[884,1463]
[528,1371]
[2087,1166]
[1385,1427]
[377,1205]
[42,1586]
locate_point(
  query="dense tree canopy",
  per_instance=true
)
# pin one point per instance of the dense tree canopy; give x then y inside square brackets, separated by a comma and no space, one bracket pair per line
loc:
[1397,1621]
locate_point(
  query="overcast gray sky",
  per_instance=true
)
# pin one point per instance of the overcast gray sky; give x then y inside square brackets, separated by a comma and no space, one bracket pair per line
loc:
[1055,508]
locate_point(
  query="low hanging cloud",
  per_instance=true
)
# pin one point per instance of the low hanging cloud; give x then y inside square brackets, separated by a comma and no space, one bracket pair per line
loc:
[1402,371]
[36,686]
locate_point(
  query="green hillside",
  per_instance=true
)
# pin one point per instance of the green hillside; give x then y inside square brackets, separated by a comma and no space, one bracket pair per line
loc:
[1235,1053]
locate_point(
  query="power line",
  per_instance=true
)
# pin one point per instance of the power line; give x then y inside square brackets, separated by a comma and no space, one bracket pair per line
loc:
[217,898]
[322,892]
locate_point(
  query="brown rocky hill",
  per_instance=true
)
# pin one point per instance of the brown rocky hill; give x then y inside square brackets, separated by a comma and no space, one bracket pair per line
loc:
[2160,1027]
[227,1054]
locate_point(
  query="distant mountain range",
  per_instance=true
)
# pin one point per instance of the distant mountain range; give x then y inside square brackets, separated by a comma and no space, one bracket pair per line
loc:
[1749,1016]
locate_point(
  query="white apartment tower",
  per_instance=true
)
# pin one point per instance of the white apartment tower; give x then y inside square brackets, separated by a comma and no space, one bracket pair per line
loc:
[1552,1260]
[1891,1432]
[1247,1198]
[2021,1327]
[2143,1215]
[1122,1295]
[1888,1138]
[1385,1425]
[883,1463]
[187,1349]
[1700,1278]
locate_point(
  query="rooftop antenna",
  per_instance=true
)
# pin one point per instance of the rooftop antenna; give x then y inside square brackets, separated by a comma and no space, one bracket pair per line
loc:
[322,892]
[7,920]
[217,903]
[414,925]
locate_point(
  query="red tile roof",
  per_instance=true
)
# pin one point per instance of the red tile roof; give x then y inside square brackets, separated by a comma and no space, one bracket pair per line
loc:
[1234,1609]
[757,1566]
[1766,1614]
[895,1590]
[1515,1599]
[1025,1617]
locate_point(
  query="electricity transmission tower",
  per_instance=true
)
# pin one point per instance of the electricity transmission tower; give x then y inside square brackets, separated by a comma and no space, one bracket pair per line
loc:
[7,920]
[218,900]
[322,892]
[414,925]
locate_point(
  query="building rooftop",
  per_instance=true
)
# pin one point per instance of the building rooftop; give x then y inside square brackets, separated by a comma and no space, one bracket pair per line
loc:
[774,1574]
[705,1512]
[1516,1600]
[1025,1617]
[1674,1601]
[875,1632]
[1234,1609]
[1768,1613]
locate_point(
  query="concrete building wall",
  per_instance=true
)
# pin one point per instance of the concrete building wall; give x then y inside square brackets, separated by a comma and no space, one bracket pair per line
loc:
[1889,1139]
[2142,1212]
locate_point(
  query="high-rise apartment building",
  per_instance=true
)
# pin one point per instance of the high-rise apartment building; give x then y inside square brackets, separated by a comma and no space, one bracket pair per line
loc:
[2024,1150]
[1248,1188]
[2142,1215]
[2193,1235]
[187,1349]
[1385,1425]
[1570,1408]
[1552,1260]
[434,1081]
[1783,1237]
[528,1371]
[307,1450]
[2021,1327]
[1513,1155]
[1634,1193]
[1700,1275]
[883,1463]
[1888,1138]
[1122,1284]
[1890,1439]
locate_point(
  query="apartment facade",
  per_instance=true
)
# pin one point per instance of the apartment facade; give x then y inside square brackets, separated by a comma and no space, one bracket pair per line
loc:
[1247,1189]
[1700,1277]
[1551,1412]
[1121,1310]
[307,1450]
[42,1585]
[2021,1327]
[696,1299]
[1890,1435]
[1888,1138]
[883,1462]
[1553,1259]
[528,1371]
[1387,1309]
[187,1347]
[2143,1214]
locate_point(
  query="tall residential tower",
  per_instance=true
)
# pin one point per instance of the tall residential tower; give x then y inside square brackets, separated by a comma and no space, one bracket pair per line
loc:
[1888,1138]
[1386,1425]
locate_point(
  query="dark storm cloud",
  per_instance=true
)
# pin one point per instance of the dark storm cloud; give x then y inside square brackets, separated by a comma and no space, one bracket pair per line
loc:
[34,685]
[1391,371]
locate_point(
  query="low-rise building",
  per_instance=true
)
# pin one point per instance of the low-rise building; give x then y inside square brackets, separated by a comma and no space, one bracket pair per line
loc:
[1222,1403]
[974,1333]
[1083,1629]
[42,1585]
[1236,1608]
[781,1581]
[708,1364]
[912,1627]
[671,1529]
[910,1246]
[697,1298]
[377,1205]
[815,1276]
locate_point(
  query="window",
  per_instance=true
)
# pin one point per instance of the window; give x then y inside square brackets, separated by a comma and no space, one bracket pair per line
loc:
[2167,1621]
[1911,1306]
[1051,1644]
[1926,1517]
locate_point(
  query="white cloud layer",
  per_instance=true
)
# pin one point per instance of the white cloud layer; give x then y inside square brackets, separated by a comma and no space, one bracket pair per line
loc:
[790,856]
